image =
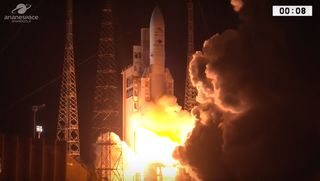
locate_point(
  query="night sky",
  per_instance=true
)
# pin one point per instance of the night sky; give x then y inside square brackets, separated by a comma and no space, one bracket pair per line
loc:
[268,69]
[31,54]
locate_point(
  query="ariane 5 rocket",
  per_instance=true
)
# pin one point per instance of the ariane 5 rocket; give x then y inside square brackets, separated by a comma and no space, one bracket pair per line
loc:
[157,55]
[147,79]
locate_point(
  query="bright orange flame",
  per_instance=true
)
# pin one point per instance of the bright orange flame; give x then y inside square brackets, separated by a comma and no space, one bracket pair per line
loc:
[165,119]
[150,148]
[159,129]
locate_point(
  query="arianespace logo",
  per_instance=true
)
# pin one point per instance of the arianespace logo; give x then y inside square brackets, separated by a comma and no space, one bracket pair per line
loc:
[19,14]
[21,8]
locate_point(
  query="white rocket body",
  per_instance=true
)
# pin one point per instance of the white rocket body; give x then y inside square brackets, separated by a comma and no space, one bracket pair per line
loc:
[144,83]
[157,54]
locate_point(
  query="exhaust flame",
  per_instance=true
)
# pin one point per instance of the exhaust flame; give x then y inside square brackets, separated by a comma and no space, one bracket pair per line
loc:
[159,129]
[166,119]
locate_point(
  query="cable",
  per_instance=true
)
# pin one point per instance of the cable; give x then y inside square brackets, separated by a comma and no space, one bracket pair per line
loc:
[42,87]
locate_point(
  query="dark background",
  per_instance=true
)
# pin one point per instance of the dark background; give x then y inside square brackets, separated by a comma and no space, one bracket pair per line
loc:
[31,54]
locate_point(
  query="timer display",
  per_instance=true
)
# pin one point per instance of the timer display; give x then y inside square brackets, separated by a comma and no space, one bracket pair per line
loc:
[286,10]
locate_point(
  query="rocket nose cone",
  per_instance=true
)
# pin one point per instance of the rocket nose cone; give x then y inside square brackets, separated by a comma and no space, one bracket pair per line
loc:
[156,17]
[156,10]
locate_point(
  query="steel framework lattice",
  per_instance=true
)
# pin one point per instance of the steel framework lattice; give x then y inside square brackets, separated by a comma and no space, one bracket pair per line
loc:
[106,101]
[68,128]
[109,166]
[190,90]
[106,107]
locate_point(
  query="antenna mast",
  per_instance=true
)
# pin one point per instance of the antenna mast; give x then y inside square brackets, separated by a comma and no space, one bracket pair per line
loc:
[68,127]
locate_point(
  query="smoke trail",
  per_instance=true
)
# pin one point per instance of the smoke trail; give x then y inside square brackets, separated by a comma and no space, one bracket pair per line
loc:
[259,94]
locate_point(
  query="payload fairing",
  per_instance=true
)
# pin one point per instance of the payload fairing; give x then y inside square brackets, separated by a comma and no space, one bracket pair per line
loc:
[147,79]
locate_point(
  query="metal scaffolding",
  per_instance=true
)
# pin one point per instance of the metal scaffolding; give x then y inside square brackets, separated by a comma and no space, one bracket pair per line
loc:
[106,101]
[68,128]
[109,164]
[190,90]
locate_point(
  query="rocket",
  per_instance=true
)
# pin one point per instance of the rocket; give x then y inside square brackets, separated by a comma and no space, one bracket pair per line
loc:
[147,79]
[157,54]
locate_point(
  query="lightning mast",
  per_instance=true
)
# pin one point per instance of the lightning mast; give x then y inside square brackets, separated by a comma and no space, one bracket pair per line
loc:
[190,91]
[106,117]
[68,128]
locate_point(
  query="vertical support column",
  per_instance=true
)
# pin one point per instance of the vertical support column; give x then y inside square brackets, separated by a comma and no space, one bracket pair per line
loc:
[30,148]
[43,156]
[17,159]
[68,124]
[106,100]
[60,161]
[1,155]
[190,91]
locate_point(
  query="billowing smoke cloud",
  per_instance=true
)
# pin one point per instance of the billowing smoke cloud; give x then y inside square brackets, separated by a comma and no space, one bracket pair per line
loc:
[258,89]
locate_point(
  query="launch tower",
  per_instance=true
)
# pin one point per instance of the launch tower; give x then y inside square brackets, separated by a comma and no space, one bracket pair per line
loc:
[106,112]
[106,117]
[68,128]
[190,90]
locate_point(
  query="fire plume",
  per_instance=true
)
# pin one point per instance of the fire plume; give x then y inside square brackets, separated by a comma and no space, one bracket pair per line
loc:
[158,129]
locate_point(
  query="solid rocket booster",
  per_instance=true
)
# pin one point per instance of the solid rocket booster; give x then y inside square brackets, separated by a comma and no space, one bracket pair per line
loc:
[157,54]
